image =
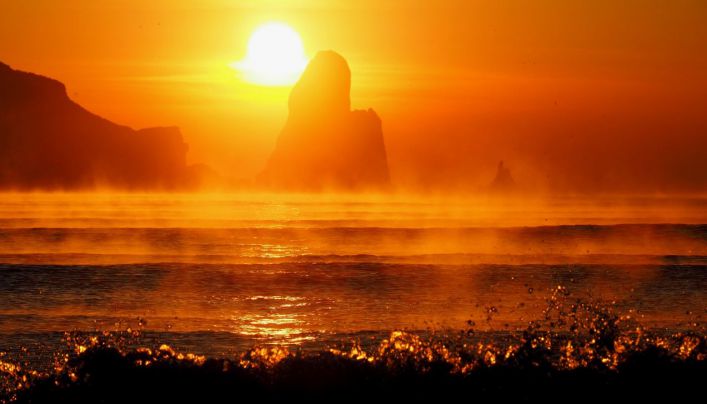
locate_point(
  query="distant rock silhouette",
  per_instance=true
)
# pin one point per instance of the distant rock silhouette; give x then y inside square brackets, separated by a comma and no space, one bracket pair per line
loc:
[325,145]
[47,141]
[503,182]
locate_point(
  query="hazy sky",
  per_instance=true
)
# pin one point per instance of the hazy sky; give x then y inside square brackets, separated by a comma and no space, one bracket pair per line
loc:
[587,95]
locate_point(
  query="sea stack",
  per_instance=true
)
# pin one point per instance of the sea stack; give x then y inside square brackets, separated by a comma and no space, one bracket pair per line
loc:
[324,144]
[503,182]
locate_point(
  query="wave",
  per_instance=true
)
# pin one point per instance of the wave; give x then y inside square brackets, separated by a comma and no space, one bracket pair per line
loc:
[79,258]
[297,243]
[575,348]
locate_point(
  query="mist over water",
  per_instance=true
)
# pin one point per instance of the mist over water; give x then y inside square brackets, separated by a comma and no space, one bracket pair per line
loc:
[217,274]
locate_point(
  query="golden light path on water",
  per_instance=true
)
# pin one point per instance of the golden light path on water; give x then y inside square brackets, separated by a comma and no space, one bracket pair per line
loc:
[276,326]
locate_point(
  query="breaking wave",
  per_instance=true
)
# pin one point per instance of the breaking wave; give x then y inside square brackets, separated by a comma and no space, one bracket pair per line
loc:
[577,349]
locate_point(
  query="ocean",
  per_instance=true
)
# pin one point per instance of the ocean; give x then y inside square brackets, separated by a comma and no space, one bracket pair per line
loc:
[217,274]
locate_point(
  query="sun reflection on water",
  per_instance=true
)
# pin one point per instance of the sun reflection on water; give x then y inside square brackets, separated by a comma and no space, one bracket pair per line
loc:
[277,326]
[264,250]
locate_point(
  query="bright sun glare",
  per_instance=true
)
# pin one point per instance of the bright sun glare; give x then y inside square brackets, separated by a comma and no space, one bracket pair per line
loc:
[275,56]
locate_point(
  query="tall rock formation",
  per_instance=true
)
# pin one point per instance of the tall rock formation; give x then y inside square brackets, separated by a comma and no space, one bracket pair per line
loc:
[503,182]
[324,144]
[47,141]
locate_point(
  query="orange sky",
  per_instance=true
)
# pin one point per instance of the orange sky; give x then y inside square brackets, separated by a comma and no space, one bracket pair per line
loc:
[573,95]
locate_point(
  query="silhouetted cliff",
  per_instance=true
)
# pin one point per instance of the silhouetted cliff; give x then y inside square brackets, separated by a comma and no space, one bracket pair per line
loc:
[325,145]
[48,141]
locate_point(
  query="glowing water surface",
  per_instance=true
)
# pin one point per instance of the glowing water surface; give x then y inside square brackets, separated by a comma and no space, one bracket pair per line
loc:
[220,273]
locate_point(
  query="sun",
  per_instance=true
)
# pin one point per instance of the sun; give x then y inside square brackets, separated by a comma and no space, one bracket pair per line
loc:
[275,56]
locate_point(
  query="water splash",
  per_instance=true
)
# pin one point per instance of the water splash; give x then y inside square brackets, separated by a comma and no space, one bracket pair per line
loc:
[571,335]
